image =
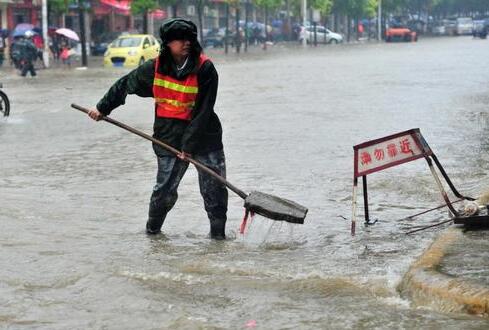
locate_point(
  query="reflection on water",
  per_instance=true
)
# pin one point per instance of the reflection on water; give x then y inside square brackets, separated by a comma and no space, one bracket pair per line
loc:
[74,194]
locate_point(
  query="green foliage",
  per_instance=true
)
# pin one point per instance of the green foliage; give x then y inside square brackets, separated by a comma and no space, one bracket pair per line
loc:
[270,4]
[356,8]
[324,6]
[143,6]
[393,6]
[367,8]
[232,3]
[371,8]
[460,6]
[58,6]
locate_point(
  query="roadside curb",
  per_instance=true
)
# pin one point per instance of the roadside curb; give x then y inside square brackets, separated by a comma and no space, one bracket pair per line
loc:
[425,285]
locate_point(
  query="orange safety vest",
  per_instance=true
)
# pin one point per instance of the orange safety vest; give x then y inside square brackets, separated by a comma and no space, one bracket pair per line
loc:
[175,98]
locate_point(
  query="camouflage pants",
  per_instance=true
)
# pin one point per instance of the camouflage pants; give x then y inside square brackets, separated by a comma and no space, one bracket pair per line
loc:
[171,171]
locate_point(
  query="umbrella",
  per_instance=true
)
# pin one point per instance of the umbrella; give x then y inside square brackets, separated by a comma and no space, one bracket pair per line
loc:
[70,34]
[21,29]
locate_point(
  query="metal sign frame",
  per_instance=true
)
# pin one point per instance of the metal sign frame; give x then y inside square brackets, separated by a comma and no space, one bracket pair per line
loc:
[364,165]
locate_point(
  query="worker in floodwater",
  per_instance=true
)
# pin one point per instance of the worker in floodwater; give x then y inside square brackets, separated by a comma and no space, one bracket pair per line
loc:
[183,82]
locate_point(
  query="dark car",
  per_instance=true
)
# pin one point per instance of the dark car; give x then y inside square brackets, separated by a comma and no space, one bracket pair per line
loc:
[480,29]
[417,26]
[98,49]
[214,38]
[99,45]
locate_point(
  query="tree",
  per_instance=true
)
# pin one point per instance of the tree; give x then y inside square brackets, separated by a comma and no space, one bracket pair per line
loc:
[324,6]
[455,7]
[55,9]
[57,6]
[173,4]
[200,6]
[143,7]
[267,5]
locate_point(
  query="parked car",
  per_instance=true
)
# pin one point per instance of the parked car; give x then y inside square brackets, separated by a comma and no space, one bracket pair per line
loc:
[99,48]
[217,36]
[400,33]
[480,29]
[214,38]
[416,25]
[323,35]
[464,26]
[438,29]
[131,50]
[450,26]
[99,44]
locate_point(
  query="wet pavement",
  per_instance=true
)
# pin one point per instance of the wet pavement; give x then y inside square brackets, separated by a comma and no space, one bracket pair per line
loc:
[74,194]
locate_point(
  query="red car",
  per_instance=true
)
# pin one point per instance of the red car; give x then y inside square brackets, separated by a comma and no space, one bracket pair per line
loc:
[400,34]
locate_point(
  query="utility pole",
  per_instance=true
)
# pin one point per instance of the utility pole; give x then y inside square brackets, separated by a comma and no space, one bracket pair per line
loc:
[247,9]
[45,53]
[238,34]
[304,21]
[83,40]
[226,33]
[379,21]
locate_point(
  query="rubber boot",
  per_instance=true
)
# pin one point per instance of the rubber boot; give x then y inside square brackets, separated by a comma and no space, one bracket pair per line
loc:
[218,230]
[153,226]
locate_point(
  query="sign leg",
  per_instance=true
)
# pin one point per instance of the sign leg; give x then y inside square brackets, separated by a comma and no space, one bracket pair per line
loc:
[447,179]
[440,187]
[365,199]
[354,206]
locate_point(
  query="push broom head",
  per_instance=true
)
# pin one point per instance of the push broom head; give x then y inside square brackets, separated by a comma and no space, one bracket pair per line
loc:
[275,208]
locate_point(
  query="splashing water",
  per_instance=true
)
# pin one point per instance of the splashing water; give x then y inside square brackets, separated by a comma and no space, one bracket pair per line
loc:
[270,234]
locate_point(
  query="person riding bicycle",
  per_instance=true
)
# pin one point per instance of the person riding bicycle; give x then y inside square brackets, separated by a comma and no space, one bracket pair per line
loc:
[27,54]
[15,52]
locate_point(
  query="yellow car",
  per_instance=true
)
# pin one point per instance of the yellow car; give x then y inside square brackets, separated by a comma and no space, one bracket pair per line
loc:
[130,50]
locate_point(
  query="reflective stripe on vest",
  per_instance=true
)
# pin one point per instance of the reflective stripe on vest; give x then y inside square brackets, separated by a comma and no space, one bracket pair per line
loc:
[175,98]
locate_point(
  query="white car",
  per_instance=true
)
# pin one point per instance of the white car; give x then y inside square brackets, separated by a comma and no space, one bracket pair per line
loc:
[438,30]
[464,26]
[323,35]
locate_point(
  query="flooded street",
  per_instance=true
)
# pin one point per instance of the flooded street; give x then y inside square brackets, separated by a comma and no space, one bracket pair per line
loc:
[74,194]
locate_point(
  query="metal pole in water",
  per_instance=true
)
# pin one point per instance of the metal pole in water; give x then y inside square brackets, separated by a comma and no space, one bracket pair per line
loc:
[304,21]
[440,187]
[365,199]
[45,53]
[354,206]
[379,21]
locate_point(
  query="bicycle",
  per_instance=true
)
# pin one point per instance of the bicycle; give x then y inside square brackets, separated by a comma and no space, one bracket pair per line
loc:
[4,103]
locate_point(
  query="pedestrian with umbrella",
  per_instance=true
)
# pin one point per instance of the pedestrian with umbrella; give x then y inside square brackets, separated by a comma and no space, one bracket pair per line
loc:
[67,51]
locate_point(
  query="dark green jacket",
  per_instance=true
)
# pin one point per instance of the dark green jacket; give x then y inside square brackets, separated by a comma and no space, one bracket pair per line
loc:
[199,136]
[24,50]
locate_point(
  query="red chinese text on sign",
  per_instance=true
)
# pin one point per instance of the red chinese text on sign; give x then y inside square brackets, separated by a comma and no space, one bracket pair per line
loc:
[389,151]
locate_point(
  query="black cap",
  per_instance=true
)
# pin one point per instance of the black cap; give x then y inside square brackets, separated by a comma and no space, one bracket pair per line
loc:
[178,29]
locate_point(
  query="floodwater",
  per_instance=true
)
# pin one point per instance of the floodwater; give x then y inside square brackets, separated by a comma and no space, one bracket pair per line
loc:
[74,194]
